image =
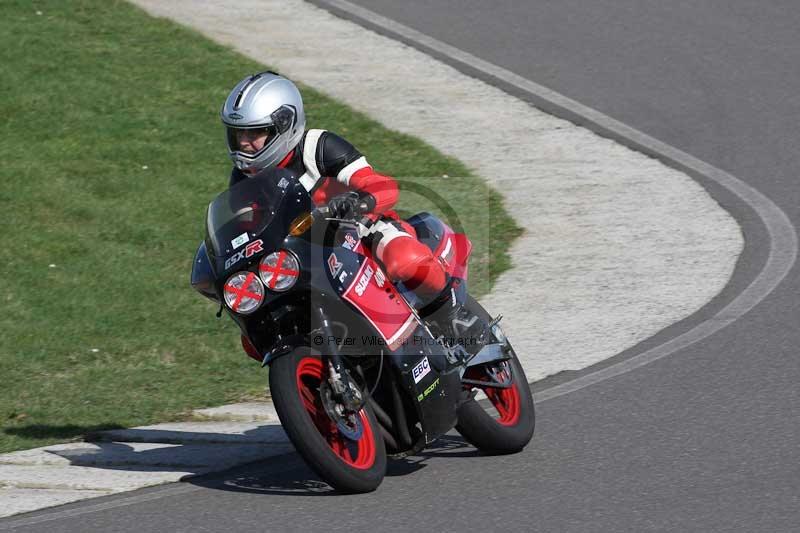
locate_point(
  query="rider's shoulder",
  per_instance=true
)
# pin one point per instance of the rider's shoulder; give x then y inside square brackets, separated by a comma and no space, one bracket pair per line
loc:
[323,141]
[337,148]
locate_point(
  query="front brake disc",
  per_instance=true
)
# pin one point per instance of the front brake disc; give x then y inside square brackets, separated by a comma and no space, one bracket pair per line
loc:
[348,423]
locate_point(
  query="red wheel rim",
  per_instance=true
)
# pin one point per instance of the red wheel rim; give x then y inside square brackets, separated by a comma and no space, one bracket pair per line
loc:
[507,402]
[358,454]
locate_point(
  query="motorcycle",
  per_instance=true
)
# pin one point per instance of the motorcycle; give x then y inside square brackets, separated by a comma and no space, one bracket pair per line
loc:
[356,372]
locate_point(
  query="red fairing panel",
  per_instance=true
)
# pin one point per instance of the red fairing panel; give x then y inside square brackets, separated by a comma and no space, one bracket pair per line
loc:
[454,249]
[378,300]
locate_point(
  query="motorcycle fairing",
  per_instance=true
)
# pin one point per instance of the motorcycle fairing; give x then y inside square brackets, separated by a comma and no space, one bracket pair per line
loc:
[453,248]
[203,274]
[377,299]
[454,251]
[287,203]
[436,396]
[349,264]
[360,281]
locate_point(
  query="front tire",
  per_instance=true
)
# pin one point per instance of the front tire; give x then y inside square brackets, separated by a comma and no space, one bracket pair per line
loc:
[349,466]
[513,428]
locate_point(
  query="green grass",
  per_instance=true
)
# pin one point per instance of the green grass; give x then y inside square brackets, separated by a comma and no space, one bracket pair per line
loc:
[110,149]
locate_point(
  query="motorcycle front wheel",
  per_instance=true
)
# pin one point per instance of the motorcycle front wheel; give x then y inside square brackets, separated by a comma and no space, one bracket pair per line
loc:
[511,429]
[346,464]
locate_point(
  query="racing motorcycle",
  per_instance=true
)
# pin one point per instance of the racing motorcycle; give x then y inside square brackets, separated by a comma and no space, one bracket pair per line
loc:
[356,371]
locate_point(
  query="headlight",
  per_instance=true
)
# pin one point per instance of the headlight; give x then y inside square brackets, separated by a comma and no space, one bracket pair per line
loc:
[279,270]
[244,292]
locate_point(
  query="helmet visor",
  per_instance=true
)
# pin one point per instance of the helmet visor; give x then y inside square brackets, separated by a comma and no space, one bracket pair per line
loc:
[250,141]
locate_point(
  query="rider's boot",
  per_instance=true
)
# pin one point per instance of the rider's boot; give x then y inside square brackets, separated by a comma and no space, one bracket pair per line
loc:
[454,321]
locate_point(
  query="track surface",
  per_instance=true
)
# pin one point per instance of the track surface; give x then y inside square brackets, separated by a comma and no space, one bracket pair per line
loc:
[703,440]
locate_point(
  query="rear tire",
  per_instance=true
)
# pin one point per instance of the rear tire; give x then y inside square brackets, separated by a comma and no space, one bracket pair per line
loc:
[346,465]
[513,429]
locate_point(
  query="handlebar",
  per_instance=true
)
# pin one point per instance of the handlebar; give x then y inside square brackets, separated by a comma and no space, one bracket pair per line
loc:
[362,224]
[324,211]
[321,211]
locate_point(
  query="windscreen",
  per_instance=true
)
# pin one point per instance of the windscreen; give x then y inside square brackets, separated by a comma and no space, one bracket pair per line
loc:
[239,214]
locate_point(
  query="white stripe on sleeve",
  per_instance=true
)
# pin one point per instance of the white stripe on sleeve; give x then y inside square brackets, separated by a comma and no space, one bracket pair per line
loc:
[310,153]
[389,233]
[307,181]
[347,172]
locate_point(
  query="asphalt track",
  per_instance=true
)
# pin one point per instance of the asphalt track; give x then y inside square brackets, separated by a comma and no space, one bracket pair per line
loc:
[704,438]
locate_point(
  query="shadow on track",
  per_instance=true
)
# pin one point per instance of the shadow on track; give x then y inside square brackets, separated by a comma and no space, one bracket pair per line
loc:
[244,458]
[289,475]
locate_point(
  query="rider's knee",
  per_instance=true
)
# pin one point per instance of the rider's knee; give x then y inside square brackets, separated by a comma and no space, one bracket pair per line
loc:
[408,260]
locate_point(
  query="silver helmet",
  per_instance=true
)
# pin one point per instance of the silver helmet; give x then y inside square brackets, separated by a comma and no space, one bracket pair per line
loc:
[264,119]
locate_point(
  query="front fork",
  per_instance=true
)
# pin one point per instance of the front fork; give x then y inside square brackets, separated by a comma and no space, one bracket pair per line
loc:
[344,389]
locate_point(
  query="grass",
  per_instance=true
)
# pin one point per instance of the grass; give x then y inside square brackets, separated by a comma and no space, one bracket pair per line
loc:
[111,148]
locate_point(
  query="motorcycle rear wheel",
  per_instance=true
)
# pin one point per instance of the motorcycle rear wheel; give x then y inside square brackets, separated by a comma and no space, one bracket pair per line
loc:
[512,429]
[349,466]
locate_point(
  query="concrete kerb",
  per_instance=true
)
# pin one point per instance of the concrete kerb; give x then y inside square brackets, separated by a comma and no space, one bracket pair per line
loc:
[129,459]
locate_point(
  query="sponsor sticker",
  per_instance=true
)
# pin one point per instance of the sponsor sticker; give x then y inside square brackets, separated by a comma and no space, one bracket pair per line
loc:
[350,242]
[364,280]
[283,183]
[252,248]
[380,278]
[427,391]
[334,265]
[342,277]
[240,240]
[421,369]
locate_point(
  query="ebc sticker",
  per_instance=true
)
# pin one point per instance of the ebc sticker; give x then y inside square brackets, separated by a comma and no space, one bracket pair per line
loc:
[252,248]
[421,369]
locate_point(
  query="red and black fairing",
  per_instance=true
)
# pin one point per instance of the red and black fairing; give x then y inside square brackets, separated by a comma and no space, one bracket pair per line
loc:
[361,282]
[451,247]
[339,276]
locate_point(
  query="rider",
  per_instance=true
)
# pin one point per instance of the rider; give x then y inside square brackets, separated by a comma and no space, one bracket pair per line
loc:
[265,124]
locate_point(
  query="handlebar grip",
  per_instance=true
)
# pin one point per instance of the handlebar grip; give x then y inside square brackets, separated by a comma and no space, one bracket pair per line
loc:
[324,210]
